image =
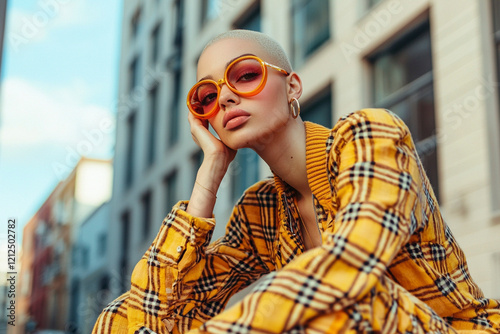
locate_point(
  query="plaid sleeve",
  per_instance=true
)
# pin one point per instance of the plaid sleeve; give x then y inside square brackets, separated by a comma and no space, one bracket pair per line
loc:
[373,172]
[181,281]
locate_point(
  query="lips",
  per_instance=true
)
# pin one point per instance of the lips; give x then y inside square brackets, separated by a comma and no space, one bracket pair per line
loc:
[234,118]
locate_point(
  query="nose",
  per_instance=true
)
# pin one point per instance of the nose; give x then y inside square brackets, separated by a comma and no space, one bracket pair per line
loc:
[227,96]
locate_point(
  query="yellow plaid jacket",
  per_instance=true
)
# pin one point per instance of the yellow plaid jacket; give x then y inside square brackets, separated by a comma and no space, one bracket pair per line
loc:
[379,221]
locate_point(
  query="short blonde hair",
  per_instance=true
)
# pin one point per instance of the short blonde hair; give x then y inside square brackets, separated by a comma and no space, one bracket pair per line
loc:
[273,49]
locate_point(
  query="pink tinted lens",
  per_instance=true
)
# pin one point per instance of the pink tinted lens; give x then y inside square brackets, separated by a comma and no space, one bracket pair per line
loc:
[204,98]
[245,76]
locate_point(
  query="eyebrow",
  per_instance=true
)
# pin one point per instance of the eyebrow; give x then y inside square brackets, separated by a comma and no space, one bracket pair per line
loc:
[227,64]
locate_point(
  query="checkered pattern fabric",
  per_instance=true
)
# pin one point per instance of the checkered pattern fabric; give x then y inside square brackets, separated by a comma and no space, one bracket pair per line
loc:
[388,263]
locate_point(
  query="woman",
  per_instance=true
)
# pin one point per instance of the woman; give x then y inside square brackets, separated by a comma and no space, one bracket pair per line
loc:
[348,233]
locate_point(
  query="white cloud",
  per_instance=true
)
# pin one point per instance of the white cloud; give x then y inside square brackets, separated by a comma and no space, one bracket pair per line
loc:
[48,16]
[40,116]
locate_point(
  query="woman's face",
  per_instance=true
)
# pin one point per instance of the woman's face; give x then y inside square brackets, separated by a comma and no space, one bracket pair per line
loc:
[245,121]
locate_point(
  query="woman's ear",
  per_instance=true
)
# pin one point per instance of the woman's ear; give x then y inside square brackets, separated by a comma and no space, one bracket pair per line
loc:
[294,86]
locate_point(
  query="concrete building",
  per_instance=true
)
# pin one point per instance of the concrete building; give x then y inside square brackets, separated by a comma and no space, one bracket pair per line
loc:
[89,275]
[44,284]
[25,284]
[432,62]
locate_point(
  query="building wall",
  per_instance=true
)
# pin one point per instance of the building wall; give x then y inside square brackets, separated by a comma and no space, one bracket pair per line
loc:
[24,287]
[44,280]
[465,106]
[90,279]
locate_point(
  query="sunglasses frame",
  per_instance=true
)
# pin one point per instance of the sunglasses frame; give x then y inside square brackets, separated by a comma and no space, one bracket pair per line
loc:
[220,82]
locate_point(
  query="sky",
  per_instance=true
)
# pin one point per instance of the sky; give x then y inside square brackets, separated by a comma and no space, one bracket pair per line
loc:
[58,85]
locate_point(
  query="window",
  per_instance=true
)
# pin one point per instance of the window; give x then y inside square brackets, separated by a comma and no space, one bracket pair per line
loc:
[372,3]
[174,65]
[496,30]
[134,74]
[146,214]
[251,20]
[495,158]
[85,257]
[209,10]
[103,292]
[156,42]
[244,171]
[311,27]
[319,108]
[125,232]
[153,111]
[74,300]
[75,258]
[102,243]
[171,196]
[173,133]
[403,83]
[130,151]
[496,266]
[196,160]
[136,23]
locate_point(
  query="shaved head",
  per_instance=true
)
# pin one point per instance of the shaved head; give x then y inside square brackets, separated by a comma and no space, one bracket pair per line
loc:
[275,52]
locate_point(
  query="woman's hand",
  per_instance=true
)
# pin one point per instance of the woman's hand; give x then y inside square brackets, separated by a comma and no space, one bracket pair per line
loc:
[216,159]
[212,147]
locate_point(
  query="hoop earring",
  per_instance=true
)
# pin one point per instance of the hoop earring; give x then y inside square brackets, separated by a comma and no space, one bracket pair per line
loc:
[294,107]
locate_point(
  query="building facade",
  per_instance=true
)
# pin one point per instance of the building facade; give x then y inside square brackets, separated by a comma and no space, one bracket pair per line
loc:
[434,63]
[89,292]
[48,239]
[25,285]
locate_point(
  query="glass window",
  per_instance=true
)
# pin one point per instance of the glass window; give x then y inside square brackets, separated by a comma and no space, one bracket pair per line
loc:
[146,214]
[156,42]
[102,243]
[130,149]
[153,111]
[244,171]
[495,9]
[319,109]
[402,64]
[174,65]
[134,74]
[173,133]
[125,233]
[136,23]
[251,20]
[403,83]
[496,28]
[196,161]
[311,27]
[371,3]
[85,257]
[496,17]
[171,197]
[209,10]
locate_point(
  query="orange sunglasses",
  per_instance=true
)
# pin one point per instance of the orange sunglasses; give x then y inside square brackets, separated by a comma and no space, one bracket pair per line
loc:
[245,76]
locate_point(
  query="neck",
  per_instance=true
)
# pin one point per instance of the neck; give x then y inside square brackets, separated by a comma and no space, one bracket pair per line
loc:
[286,156]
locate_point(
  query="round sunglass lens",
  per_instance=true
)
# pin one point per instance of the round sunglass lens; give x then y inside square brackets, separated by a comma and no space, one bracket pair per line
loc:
[246,75]
[203,98]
